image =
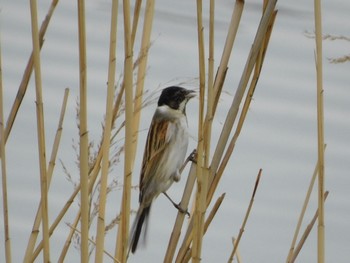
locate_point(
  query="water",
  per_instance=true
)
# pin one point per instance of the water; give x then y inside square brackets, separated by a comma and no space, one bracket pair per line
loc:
[279,135]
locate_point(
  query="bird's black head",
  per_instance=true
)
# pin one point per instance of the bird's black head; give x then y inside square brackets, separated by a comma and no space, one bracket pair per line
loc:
[175,97]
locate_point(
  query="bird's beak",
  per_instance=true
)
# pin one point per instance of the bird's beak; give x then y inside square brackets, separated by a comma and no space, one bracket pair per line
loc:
[190,94]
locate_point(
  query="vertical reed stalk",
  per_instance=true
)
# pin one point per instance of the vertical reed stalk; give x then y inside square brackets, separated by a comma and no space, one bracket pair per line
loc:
[93,176]
[107,134]
[210,97]
[37,220]
[83,133]
[145,43]
[27,73]
[320,132]
[93,173]
[137,8]
[122,240]
[41,130]
[3,173]
[202,182]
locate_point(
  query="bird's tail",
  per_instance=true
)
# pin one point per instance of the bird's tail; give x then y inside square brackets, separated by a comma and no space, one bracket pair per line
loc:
[136,229]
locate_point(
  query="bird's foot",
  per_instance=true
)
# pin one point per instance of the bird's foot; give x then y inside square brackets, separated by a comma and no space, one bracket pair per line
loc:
[193,156]
[184,211]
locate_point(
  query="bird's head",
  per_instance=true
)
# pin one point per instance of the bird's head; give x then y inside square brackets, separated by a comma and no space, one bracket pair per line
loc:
[176,97]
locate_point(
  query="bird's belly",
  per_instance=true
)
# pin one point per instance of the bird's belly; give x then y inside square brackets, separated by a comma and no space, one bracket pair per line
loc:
[173,158]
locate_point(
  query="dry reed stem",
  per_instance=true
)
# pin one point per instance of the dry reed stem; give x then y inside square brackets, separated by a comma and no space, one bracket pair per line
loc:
[251,61]
[107,135]
[83,133]
[3,173]
[231,36]
[27,73]
[137,8]
[202,178]
[141,73]
[37,220]
[235,247]
[302,213]
[123,229]
[208,221]
[175,234]
[92,175]
[306,233]
[264,26]
[237,254]
[320,132]
[244,111]
[69,239]
[215,91]
[210,100]
[40,130]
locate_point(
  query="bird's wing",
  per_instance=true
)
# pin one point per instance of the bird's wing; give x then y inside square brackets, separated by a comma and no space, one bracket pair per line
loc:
[157,140]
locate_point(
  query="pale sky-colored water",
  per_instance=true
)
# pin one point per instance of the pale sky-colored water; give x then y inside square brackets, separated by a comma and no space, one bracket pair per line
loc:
[279,135]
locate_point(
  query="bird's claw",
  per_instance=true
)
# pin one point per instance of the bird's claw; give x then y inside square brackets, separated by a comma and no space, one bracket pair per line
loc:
[193,156]
[184,211]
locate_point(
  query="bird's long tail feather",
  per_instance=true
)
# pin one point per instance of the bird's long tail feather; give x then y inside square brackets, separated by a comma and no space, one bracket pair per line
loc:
[140,223]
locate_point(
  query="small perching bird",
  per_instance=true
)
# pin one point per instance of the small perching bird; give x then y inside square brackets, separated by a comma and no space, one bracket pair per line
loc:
[164,154]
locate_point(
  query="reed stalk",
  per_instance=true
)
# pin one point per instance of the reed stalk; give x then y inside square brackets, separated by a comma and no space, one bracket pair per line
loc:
[40,130]
[235,247]
[93,173]
[202,179]
[185,256]
[27,73]
[5,206]
[237,254]
[262,31]
[142,65]
[245,108]
[307,232]
[69,239]
[302,213]
[175,234]
[215,86]
[107,135]
[208,221]
[83,133]
[320,132]
[226,54]
[123,229]
[37,220]
[210,97]
[233,111]
[93,176]
[137,8]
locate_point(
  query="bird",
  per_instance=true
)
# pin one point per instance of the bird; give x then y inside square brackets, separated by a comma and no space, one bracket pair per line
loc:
[164,155]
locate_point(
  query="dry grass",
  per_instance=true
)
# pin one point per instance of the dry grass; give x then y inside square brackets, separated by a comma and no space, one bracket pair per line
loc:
[95,164]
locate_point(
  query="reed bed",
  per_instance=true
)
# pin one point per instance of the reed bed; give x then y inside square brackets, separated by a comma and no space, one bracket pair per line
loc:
[207,166]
